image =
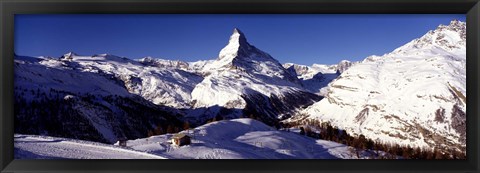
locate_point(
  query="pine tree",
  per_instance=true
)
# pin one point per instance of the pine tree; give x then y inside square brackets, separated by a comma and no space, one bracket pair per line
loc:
[150,133]
[302,131]
[186,126]
[159,130]
[170,129]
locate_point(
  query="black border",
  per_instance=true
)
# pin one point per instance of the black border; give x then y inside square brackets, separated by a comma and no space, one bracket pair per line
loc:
[10,7]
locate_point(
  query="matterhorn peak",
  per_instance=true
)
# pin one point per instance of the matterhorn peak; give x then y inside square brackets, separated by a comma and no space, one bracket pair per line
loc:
[238,37]
[237,42]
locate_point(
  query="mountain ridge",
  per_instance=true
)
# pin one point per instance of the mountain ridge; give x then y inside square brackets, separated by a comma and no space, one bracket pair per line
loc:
[411,96]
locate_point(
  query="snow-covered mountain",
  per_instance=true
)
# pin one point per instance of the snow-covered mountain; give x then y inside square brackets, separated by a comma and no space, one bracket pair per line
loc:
[163,82]
[162,63]
[245,80]
[111,97]
[415,95]
[198,66]
[316,78]
[91,97]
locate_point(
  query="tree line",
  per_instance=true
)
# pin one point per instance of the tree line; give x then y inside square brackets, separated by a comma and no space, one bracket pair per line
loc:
[325,131]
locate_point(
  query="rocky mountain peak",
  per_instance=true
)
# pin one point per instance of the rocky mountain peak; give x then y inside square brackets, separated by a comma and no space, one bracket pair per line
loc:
[238,37]
[236,45]
[455,25]
[343,65]
[69,55]
[447,37]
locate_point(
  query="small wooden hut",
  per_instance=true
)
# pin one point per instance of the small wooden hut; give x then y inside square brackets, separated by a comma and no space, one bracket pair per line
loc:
[122,142]
[180,139]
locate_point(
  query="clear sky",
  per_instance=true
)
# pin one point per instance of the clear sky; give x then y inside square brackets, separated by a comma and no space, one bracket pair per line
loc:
[301,39]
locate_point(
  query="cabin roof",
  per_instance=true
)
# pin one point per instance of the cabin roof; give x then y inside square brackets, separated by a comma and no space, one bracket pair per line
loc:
[179,135]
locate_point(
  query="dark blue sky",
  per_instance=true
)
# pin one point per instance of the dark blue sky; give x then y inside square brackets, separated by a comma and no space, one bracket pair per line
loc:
[302,39]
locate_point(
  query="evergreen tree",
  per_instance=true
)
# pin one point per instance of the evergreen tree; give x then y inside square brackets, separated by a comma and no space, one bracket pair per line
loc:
[186,125]
[170,129]
[150,133]
[302,131]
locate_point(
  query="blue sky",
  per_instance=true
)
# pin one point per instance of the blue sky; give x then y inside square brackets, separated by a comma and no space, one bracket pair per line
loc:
[301,38]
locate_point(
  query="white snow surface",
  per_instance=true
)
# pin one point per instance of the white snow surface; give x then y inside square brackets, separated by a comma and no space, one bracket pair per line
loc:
[243,139]
[164,83]
[227,139]
[315,78]
[393,95]
[55,74]
[198,66]
[45,147]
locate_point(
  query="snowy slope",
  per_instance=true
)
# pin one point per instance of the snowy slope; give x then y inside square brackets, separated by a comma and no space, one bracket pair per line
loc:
[164,86]
[244,74]
[316,78]
[198,66]
[82,97]
[162,82]
[44,147]
[308,72]
[46,74]
[413,96]
[162,63]
[243,139]
[228,139]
